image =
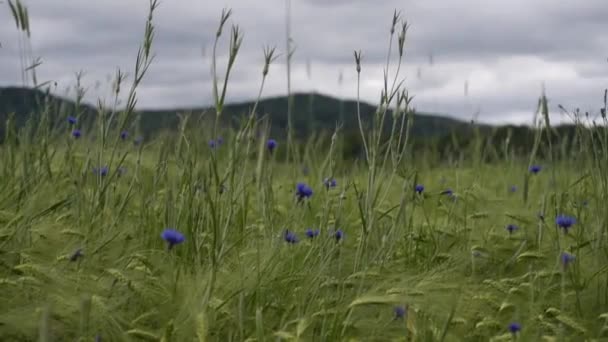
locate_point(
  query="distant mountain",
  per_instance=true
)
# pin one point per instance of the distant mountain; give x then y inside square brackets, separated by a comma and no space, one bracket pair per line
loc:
[312,113]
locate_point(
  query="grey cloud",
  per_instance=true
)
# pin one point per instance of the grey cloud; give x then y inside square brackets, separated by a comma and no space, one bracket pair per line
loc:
[469,40]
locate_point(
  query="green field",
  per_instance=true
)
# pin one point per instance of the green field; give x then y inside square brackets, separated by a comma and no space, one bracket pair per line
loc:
[268,248]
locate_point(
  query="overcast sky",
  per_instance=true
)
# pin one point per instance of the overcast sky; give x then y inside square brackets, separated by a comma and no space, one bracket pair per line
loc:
[505,50]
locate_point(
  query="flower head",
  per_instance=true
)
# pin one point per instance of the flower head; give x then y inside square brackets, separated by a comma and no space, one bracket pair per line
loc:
[330,182]
[419,188]
[72,120]
[399,311]
[76,255]
[339,235]
[567,258]
[172,237]
[290,237]
[303,191]
[448,192]
[535,169]
[212,143]
[565,222]
[101,171]
[310,233]
[514,327]
[512,228]
[271,145]
[124,135]
[76,133]
[513,188]
[220,140]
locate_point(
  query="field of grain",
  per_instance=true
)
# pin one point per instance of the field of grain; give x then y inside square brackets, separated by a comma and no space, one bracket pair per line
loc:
[233,234]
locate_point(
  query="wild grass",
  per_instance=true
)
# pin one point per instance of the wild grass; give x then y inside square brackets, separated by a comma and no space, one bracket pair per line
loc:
[82,257]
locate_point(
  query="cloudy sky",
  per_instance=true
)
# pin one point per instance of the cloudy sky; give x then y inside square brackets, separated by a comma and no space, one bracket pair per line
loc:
[504,50]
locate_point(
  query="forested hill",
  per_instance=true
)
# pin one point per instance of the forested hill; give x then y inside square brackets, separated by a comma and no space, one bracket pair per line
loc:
[312,113]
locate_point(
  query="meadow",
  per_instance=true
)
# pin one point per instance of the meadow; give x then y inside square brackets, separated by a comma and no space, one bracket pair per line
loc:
[231,234]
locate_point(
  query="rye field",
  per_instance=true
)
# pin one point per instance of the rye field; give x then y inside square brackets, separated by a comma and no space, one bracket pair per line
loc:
[219,233]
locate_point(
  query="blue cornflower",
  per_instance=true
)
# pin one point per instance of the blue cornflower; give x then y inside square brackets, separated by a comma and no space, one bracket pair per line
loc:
[271,145]
[212,143]
[76,133]
[513,188]
[290,237]
[72,120]
[565,222]
[448,192]
[339,235]
[220,140]
[511,228]
[138,140]
[124,135]
[567,258]
[419,188]
[102,171]
[535,169]
[303,191]
[330,182]
[312,233]
[399,312]
[76,255]
[172,237]
[514,327]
